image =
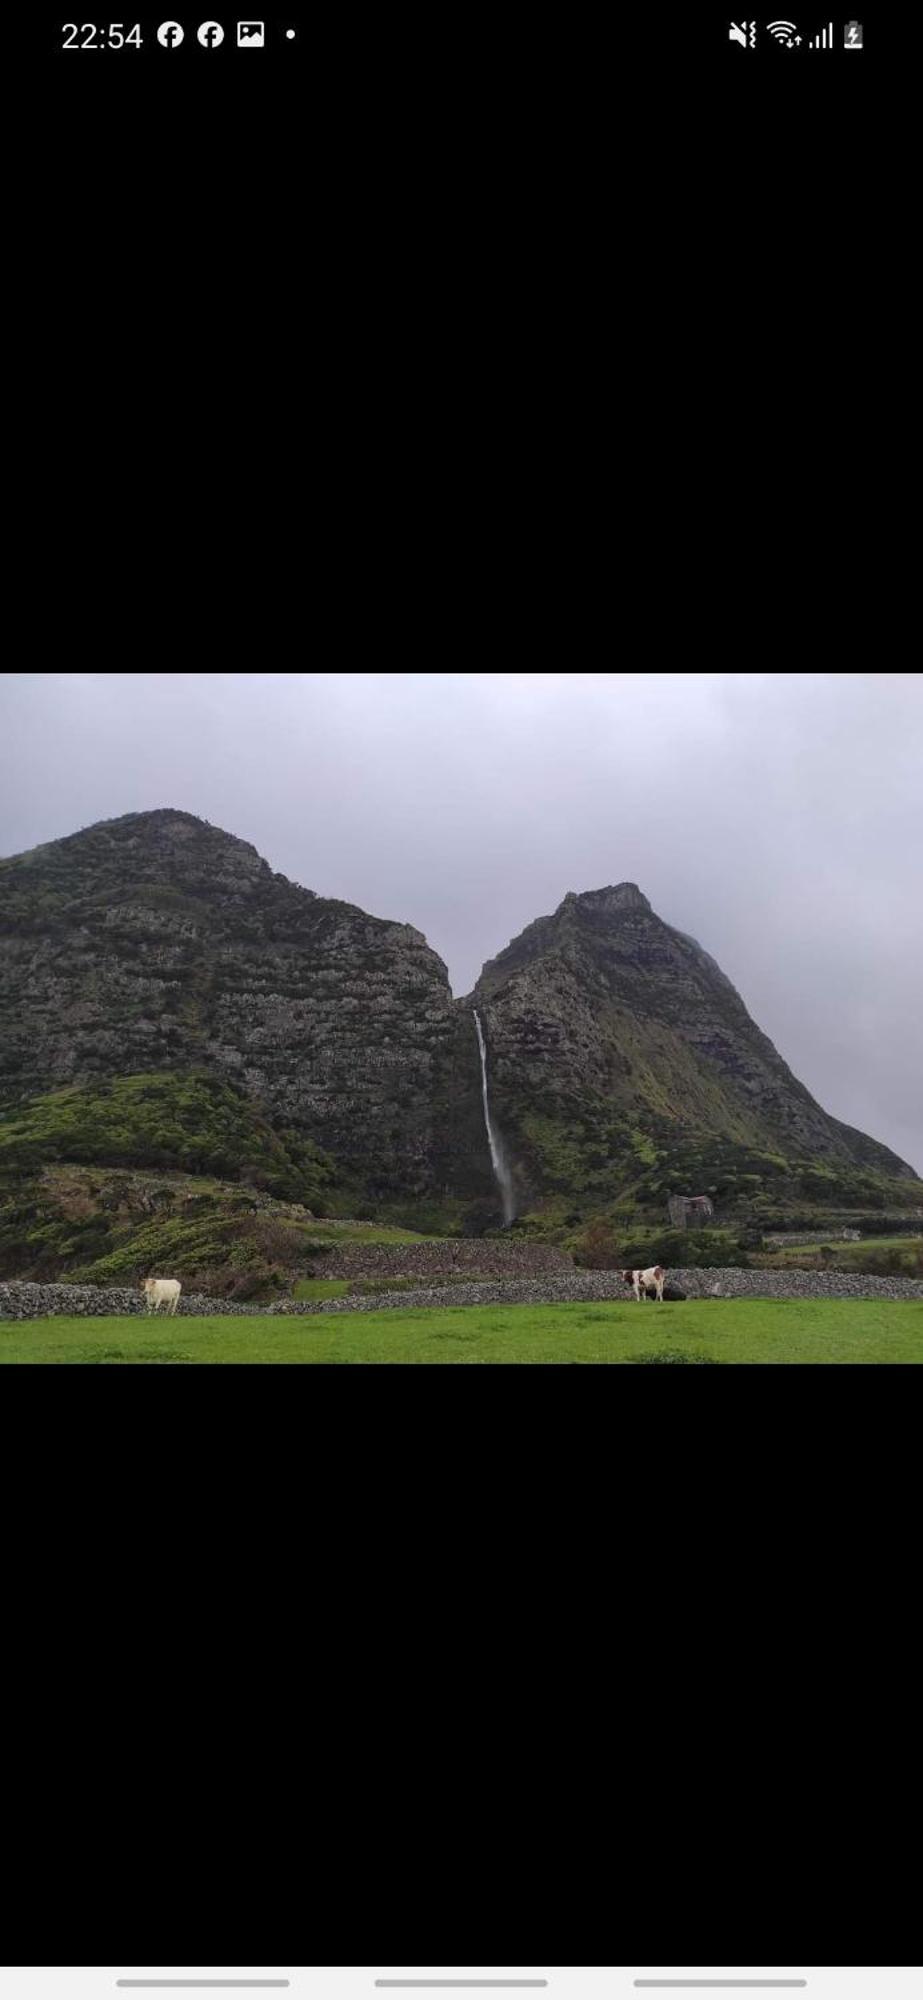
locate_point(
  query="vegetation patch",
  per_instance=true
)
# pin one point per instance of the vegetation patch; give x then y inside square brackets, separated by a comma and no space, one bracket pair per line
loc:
[877,1257]
[320,1288]
[751,1331]
[162,1120]
[115,1226]
[602,1247]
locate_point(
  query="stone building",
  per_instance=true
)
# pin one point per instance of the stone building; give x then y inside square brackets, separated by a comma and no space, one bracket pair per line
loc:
[690,1211]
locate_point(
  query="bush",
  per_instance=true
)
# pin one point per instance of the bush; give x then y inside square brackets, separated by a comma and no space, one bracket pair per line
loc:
[690,1248]
[481,1216]
[164,1120]
[598,1249]
[251,1284]
[893,1263]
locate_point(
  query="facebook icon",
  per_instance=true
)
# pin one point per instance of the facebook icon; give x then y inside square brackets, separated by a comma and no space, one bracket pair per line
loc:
[169,35]
[211,34]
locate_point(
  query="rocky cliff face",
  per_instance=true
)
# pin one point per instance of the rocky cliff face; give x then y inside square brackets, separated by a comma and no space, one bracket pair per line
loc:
[159,942]
[610,1032]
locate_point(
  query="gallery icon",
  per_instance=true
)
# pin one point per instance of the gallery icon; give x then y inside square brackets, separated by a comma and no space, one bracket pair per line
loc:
[169,34]
[852,35]
[251,34]
[745,34]
[211,34]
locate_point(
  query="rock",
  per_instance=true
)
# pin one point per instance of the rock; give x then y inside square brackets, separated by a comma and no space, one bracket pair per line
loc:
[588,1005]
[158,943]
[22,1300]
[185,951]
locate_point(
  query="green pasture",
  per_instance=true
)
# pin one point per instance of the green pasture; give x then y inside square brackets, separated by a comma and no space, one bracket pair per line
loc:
[789,1253]
[699,1330]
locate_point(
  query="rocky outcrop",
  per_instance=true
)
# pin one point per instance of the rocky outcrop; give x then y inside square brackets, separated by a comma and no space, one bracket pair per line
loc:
[607,1027]
[157,941]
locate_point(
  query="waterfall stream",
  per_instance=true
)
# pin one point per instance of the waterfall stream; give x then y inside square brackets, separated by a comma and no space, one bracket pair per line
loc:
[502,1175]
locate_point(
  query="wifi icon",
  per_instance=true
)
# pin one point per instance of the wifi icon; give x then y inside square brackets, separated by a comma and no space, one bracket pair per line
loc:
[785,32]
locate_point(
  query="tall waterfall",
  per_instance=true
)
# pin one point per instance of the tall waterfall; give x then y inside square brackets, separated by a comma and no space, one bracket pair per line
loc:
[502,1175]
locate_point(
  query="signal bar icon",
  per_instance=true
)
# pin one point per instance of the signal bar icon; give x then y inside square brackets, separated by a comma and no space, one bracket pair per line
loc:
[824,40]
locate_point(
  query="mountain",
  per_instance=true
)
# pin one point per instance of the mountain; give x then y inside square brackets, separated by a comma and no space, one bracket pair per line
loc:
[157,942]
[618,1042]
[168,1002]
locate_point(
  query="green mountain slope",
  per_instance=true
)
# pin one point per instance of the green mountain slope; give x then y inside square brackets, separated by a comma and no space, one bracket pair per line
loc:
[622,1059]
[191,1122]
[112,1225]
[168,1002]
[159,943]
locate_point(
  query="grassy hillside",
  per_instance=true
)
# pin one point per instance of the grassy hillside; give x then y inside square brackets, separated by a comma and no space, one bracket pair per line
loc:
[789,1331]
[880,1256]
[190,1122]
[110,1225]
[624,1067]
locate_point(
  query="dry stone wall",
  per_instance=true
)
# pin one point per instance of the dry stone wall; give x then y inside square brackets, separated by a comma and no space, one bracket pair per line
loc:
[22,1300]
[604,1285]
[482,1257]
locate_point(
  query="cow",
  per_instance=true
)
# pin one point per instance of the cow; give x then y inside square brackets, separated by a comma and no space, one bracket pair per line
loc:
[162,1291]
[642,1282]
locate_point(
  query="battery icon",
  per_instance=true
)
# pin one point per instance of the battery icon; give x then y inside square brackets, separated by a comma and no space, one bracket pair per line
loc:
[852,35]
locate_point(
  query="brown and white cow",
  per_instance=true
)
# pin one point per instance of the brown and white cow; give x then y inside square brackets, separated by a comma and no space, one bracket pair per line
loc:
[641,1282]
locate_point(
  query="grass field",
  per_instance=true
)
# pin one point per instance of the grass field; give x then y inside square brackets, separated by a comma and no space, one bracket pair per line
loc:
[717,1330]
[789,1253]
[319,1288]
[859,1256]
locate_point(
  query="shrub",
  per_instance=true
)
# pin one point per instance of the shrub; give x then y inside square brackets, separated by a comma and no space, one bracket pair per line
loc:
[893,1263]
[250,1284]
[163,1119]
[598,1249]
[685,1248]
[479,1217]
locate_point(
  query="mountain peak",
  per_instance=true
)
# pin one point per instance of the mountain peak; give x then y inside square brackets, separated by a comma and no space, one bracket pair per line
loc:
[165,823]
[618,896]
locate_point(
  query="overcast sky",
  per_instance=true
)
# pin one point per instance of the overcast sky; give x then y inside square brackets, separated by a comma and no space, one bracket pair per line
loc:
[777,817]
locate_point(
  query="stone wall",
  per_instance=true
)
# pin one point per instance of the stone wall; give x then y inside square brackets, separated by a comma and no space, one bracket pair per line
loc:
[793,1239]
[605,1286]
[19,1300]
[481,1256]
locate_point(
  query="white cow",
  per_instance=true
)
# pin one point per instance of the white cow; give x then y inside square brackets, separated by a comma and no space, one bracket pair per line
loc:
[643,1281]
[162,1291]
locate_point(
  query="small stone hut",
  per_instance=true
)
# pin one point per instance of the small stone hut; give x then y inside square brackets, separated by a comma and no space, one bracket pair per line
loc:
[690,1211]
